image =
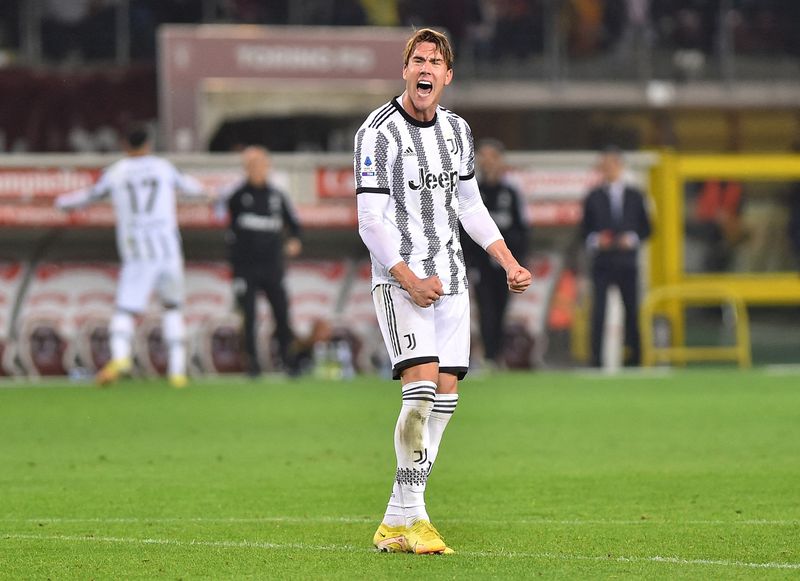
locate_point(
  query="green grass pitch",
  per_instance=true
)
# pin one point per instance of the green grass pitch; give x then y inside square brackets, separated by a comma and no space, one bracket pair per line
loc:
[691,474]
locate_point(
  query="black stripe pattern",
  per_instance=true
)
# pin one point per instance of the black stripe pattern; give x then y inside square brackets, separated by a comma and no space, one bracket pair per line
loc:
[382,115]
[391,318]
[445,406]
[416,392]
[412,476]
[399,190]
[426,207]
[381,160]
[452,215]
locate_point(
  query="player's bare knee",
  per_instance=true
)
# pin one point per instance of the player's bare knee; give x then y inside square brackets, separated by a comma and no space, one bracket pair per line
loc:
[447,383]
[421,372]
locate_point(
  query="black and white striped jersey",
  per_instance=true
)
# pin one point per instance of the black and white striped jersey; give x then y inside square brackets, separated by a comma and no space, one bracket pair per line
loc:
[143,193]
[419,165]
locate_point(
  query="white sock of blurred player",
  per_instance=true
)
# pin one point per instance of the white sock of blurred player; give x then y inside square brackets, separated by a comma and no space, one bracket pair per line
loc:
[121,331]
[407,502]
[175,337]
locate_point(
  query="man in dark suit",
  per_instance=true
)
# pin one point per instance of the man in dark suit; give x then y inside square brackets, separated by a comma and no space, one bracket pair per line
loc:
[615,224]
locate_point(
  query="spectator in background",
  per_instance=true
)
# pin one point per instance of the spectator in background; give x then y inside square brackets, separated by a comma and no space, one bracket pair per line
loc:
[142,190]
[507,209]
[715,223]
[615,224]
[260,218]
[78,29]
[519,28]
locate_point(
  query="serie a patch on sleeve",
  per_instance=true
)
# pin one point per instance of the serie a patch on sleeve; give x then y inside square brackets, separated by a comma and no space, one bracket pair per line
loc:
[367,170]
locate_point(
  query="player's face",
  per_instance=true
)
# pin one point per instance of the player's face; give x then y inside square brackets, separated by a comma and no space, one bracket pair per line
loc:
[426,76]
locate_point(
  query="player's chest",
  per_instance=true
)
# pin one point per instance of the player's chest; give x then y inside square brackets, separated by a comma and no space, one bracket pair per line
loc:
[431,162]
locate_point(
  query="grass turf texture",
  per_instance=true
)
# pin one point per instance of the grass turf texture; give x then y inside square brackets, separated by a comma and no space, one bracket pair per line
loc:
[690,475]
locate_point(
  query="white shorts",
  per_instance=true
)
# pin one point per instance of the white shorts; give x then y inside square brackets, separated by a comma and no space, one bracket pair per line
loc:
[414,335]
[139,278]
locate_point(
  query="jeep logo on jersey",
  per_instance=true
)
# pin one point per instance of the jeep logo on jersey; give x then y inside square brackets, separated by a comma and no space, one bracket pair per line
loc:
[431,181]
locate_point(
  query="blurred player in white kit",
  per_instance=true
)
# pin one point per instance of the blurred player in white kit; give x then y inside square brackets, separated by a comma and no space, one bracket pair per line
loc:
[142,189]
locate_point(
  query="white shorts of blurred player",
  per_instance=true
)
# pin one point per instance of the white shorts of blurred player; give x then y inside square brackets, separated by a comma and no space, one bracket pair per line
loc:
[138,280]
[414,335]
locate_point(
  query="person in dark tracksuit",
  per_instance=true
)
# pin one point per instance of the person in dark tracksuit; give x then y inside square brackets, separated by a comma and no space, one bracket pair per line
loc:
[507,209]
[263,230]
[615,224]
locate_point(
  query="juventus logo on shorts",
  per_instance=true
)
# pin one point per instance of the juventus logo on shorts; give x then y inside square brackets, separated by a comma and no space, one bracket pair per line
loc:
[412,341]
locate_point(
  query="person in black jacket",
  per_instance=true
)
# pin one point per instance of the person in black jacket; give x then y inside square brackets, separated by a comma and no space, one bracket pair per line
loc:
[615,224]
[263,229]
[506,207]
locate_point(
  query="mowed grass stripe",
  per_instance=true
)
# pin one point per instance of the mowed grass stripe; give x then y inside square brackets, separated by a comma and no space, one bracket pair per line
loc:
[350,549]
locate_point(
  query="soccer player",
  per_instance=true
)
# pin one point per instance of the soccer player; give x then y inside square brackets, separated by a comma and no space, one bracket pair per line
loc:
[142,188]
[415,181]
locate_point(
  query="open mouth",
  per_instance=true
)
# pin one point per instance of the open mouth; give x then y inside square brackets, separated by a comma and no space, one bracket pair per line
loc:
[424,88]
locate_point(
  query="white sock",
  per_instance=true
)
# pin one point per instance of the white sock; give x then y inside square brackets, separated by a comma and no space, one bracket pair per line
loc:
[411,449]
[394,515]
[175,337]
[443,408]
[121,335]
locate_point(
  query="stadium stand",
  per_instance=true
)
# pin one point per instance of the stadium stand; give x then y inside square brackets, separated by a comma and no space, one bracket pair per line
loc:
[64,305]
[526,321]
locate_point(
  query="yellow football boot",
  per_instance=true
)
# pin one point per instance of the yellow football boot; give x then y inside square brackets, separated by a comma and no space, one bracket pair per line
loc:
[178,380]
[112,371]
[422,538]
[390,539]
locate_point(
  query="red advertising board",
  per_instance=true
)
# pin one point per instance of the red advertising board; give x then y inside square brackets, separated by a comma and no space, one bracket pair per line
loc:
[27,195]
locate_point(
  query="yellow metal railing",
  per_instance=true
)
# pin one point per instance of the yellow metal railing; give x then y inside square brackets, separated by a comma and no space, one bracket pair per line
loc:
[666,257]
[674,299]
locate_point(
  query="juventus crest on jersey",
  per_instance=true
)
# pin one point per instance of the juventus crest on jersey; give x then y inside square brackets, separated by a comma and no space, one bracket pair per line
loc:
[419,166]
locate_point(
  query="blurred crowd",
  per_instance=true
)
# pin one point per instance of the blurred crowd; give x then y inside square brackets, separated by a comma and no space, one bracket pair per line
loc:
[484,30]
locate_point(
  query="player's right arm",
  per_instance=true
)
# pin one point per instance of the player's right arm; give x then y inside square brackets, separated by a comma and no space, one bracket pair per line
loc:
[81,198]
[384,246]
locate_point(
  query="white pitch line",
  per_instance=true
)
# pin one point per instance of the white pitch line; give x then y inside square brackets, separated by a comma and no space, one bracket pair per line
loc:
[349,548]
[362,520]
[782,370]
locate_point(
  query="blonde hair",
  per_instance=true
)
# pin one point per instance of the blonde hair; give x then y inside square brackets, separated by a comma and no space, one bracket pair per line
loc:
[432,36]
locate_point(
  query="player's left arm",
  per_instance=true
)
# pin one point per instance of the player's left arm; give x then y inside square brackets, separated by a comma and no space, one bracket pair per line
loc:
[188,185]
[477,221]
[481,228]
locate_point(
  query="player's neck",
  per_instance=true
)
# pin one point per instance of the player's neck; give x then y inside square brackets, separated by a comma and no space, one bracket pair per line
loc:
[422,115]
